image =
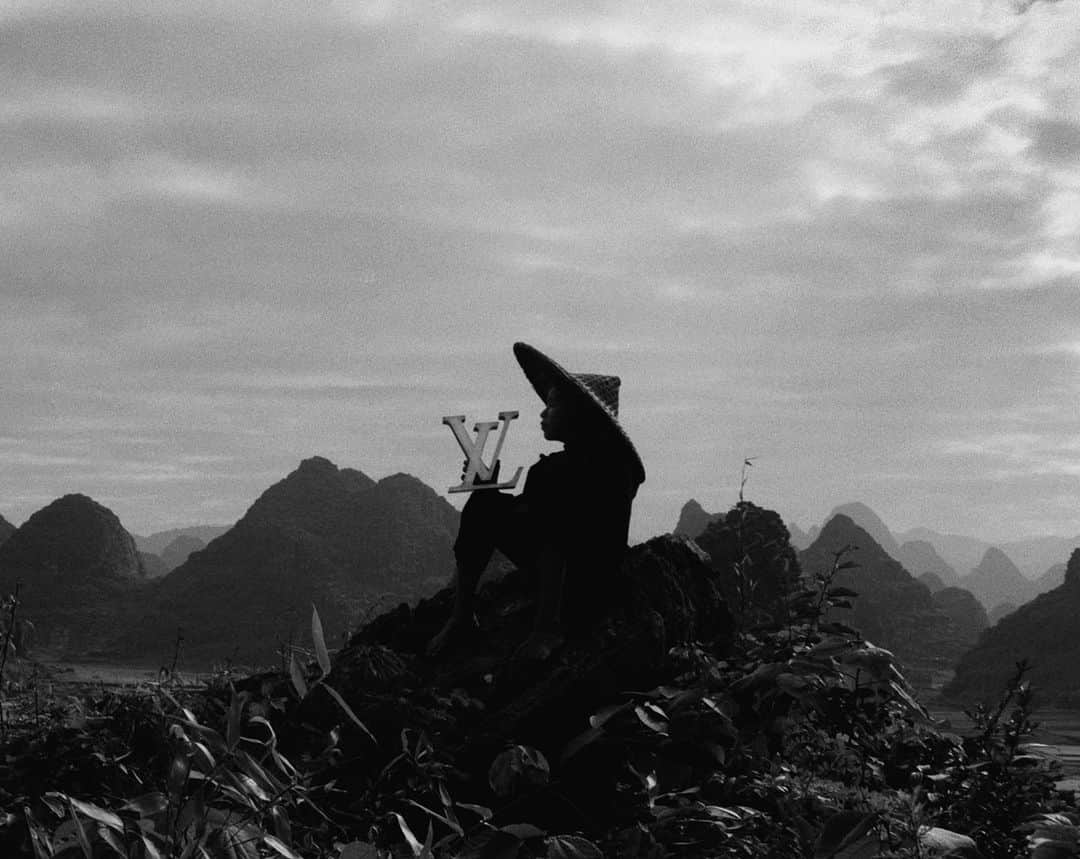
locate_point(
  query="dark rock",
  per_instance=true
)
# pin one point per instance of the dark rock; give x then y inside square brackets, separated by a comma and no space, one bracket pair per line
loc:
[750,550]
[667,595]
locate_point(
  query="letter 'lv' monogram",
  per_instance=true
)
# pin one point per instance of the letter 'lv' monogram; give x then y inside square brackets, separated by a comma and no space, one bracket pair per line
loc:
[474,451]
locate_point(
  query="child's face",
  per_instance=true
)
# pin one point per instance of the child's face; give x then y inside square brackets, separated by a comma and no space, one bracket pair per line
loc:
[557,420]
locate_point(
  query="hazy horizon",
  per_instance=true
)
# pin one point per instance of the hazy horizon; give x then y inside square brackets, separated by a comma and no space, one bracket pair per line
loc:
[842,238]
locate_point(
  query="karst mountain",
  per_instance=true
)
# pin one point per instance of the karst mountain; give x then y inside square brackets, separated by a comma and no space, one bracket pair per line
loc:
[323,535]
[77,569]
[892,609]
[1042,631]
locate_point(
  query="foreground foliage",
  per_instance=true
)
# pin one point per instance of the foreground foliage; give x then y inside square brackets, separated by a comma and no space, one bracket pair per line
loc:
[802,740]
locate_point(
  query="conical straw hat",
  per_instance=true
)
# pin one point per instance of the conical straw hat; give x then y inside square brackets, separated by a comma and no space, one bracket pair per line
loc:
[600,391]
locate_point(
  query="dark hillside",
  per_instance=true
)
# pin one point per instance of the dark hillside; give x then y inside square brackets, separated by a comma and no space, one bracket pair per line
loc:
[1042,631]
[322,535]
[892,609]
[6,530]
[77,568]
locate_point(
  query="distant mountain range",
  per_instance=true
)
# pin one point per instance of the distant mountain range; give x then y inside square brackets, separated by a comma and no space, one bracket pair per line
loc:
[326,536]
[926,631]
[1006,575]
[160,541]
[1044,632]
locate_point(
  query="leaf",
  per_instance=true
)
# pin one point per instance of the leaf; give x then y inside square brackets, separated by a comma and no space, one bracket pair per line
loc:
[602,715]
[80,833]
[571,847]
[39,838]
[517,767]
[358,850]
[348,710]
[113,840]
[523,831]
[232,726]
[482,810]
[279,847]
[414,844]
[585,738]
[102,816]
[842,833]
[297,677]
[321,653]
[937,841]
[280,820]
[650,720]
[452,824]
[178,773]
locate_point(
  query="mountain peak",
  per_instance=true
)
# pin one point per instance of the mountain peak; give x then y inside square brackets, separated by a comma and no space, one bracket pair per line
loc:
[997,579]
[313,497]
[73,535]
[870,522]
[694,519]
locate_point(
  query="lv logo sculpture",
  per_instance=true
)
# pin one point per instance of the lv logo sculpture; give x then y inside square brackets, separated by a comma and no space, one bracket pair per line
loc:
[474,452]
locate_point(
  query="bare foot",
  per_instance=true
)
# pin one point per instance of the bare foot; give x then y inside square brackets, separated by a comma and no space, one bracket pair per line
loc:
[540,645]
[456,630]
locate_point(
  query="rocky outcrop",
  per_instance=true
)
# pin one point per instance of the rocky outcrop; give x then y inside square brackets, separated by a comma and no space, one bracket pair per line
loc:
[920,556]
[6,530]
[325,536]
[892,609]
[77,569]
[750,550]
[667,595]
[997,579]
[1042,631]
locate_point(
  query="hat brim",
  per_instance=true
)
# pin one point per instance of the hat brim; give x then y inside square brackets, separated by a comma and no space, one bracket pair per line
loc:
[543,373]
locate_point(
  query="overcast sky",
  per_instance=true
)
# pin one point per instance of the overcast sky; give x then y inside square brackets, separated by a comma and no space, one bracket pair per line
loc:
[841,237]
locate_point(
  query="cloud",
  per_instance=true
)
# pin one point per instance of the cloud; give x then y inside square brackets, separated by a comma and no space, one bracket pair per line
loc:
[842,236]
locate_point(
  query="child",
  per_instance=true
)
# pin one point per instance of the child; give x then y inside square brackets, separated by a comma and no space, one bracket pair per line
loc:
[573,515]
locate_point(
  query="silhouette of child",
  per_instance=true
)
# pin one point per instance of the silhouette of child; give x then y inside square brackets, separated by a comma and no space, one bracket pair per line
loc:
[573,515]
